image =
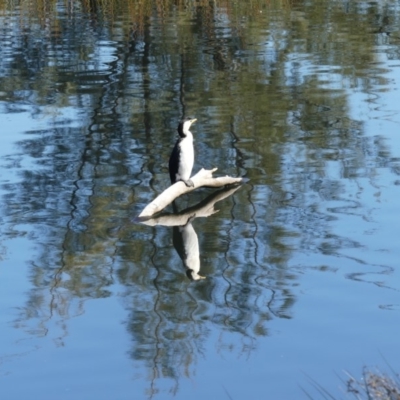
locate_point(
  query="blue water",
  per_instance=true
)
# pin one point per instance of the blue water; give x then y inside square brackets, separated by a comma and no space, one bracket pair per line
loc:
[301,262]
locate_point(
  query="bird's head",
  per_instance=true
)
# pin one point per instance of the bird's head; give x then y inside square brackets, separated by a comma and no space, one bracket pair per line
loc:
[194,276]
[184,126]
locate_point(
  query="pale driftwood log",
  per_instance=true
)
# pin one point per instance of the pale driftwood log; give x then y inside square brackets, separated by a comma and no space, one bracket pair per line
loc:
[202,210]
[202,178]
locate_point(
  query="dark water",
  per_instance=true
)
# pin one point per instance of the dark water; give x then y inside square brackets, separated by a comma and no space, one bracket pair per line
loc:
[301,263]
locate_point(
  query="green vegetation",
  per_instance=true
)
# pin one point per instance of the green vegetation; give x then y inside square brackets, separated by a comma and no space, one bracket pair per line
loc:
[373,385]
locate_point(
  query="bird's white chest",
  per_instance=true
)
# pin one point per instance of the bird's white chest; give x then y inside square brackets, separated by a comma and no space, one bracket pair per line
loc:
[186,157]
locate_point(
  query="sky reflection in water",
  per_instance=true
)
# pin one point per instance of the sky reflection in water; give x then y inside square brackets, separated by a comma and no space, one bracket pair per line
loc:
[301,263]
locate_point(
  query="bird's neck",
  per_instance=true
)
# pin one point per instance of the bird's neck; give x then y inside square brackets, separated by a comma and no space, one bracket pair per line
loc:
[187,134]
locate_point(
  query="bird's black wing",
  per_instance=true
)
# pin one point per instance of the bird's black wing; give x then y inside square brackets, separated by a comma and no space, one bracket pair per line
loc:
[174,160]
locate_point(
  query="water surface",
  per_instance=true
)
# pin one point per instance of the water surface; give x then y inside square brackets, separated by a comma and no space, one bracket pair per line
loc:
[301,262]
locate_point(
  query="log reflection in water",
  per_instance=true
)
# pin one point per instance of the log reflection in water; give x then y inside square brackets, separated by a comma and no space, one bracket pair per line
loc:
[203,178]
[185,239]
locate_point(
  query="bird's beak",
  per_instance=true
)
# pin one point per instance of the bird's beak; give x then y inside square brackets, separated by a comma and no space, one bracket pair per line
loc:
[193,120]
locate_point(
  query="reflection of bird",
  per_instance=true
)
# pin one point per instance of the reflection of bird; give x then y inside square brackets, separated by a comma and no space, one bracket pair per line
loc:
[186,243]
[182,156]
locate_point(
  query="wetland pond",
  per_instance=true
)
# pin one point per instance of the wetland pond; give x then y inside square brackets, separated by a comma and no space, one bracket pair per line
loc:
[302,98]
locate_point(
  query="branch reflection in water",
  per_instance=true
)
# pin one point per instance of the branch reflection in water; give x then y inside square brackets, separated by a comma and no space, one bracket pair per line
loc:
[185,239]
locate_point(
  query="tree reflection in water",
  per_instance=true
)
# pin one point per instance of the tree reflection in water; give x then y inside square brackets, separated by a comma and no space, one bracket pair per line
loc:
[101,85]
[183,311]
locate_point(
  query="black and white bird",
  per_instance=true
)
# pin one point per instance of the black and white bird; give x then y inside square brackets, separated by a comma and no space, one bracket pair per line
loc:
[186,243]
[182,156]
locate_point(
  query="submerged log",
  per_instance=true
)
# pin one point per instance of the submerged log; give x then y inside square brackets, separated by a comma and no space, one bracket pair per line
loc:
[203,178]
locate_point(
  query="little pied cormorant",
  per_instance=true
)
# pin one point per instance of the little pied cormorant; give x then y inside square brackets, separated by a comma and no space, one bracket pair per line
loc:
[182,156]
